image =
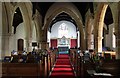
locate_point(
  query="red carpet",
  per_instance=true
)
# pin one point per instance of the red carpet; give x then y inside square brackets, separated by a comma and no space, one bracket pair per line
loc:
[62,67]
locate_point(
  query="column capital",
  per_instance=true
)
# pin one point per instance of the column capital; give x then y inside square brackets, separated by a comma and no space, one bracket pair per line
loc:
[99,38]
[6,34]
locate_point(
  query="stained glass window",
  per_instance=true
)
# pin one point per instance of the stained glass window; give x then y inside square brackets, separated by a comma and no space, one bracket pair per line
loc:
[62,30]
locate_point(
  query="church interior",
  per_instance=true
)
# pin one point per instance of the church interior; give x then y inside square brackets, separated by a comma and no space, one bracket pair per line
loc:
[60,39]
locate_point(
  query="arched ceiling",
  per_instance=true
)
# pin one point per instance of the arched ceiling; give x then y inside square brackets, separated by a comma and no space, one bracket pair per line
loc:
[42,7]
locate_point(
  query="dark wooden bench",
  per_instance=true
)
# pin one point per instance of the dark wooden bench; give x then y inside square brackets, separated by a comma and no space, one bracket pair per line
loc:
[111,66]
[30,67]
[20,69]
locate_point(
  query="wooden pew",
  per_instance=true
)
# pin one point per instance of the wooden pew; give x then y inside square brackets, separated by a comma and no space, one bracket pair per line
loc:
[74,60]
[111,66]
[20,69]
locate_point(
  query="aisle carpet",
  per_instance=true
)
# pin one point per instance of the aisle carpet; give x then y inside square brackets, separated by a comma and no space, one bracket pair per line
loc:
[62,67]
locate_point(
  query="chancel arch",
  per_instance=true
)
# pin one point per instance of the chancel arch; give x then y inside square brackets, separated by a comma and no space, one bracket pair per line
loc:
[53,12]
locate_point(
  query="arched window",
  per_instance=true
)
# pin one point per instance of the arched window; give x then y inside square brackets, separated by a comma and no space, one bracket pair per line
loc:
[62,30]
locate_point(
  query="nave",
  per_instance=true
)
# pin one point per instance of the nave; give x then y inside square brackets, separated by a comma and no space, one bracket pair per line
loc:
[32,35]
[55,64]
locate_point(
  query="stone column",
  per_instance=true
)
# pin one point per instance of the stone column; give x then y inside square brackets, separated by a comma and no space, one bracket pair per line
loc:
[87,39]
[98,26]
[28,45]
[1,29]
[117,23]
[44,44]
[82,42]
[5,45]
[90,41]
[0,46]
[100,44]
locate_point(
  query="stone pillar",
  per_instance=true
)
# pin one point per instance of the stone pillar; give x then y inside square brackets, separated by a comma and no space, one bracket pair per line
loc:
[87,40]
[44,44]
[82,43]
[118,49]
[0,46]
[100,44]
[1,29]
[12,43]
[90,41]
[117,23]
[28,45]
[98,26]
[5,45]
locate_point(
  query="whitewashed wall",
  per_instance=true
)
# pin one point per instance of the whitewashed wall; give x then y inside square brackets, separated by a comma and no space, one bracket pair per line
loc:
[71,30]
[110,38]
[20,34]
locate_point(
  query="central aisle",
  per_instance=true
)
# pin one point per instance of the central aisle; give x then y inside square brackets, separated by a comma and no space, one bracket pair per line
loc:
[62,67]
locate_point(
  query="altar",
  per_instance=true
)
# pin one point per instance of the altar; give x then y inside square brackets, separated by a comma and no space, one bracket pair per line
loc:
[63,44]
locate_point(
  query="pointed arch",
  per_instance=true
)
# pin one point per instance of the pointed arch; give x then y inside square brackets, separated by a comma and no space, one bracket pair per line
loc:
[27,18]
[68,8]
[98,25]
[38,24]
